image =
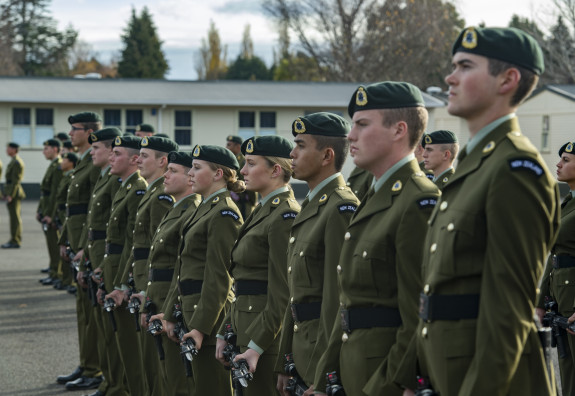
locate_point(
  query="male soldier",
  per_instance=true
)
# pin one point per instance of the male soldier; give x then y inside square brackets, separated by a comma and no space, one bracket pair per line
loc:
[419,157]
[316,238]
[484,250]
[119,240]
[440,150]
[359,181]
[93,240]
[68,147]
[247,200]
[144,130]
[14,194]
[62,137]
[48,188]
[161,263]
[379,265]
[152,163]
[83,179]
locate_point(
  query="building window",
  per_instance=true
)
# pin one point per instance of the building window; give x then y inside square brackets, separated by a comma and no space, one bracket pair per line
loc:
[545,134]
[133,119]
[32,127]
[113,118]
[183,127]
[267,123]
[248,127]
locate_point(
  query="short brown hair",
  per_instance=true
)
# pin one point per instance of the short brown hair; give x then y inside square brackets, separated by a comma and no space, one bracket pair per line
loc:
[339,145]
[414,117]
[526,84]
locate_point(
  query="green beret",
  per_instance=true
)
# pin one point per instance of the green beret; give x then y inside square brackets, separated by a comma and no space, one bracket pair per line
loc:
[132,142]
[68,144]
[72,157]
[63,136]
[184,158]
[104,134]
[439,137]
[145,128]
[86,116]
[568,147]
[217,155]
[13,145]
[234,138]
[385,95]
[322,124]
[505,44]
[159,144]
[53,143]
[271,145]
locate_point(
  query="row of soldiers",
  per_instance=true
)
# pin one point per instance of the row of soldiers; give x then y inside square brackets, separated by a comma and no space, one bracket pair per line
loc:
[409,290]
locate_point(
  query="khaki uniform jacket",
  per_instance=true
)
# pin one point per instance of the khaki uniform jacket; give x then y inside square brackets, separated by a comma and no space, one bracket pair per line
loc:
[58,213]
[83,180]
[313,252]
[99,215]
[359,181]
[444,178]
[164,247]
[207,239]
[259,254]
[489,235]
[153,206]
[14,174]
[380,266]
[49,187]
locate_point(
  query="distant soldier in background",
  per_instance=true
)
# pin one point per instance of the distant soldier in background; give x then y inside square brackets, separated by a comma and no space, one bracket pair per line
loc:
[14,194]
[247,200]
[359,181]
[144,130]
[440,150]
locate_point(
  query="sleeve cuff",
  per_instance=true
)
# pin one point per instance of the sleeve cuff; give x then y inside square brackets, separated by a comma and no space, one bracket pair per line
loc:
[253,345]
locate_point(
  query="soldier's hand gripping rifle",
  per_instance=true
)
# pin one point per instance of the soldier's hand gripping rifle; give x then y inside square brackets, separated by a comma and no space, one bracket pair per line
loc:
[187,346]
[155,328]
[333,386]
[559,324]
[134,304]
[92,286]
[296,385]
[109,305]
[240,370]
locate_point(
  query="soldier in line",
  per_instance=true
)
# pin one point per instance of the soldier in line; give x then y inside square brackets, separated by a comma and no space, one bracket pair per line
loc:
[560,270]
[246,200]
[485,250]
[48,188]
[161,262]
[259,261]
[144,130]
[440,150]
[359,180]
[119,240]
[83,179]
[419,157]
[316,237]
[13,195]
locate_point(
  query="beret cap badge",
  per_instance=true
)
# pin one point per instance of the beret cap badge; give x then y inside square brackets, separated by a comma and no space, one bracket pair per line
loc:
[298,126]
[197,151]
[427,139]
[569,148]
[118,141]
[250,147]
[361,97]
[94,137]
[469,39]
[144,141]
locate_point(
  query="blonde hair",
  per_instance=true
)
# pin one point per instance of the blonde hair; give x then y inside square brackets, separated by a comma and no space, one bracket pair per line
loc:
[284,163]
[230,177]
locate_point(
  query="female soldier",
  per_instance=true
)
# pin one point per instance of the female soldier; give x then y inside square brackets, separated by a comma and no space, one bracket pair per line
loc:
[202,282]
[558,281]
[259,261]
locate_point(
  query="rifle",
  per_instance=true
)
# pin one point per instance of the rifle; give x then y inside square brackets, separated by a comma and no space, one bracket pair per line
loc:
[187,347]
[155,328]
[240,370]
[296,385]
[134,304]
[92,286]
[109,306]
[559,324]
[334,387]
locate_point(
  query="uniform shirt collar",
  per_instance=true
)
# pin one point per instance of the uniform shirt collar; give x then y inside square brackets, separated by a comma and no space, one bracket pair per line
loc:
[221,190]
[321,185]
[124,181]
[273,194]
[442,173]
[85,153]
[150,185]
[473,142]
[104,171]
[391,171]
[182,200]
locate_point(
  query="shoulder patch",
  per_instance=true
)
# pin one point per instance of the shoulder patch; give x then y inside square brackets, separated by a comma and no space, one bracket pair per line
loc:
[527,164]
[140,192]
[427,202]
[348,207]
[230,213]
[429,176]
[165,197]
[289,215]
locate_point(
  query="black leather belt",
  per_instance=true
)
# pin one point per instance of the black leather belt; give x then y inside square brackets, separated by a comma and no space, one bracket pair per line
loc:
[448,307]
[76,210]
[368,317]
[161,275]
[62,207]
[113,248]
[95,235]
[141,253]
[563,261]
[306,311]
[245,287]
[190,286]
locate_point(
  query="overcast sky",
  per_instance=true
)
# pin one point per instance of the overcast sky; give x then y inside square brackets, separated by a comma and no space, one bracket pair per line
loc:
[182,24]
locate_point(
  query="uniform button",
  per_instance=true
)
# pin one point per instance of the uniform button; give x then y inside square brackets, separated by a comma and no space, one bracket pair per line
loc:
[94,196]
[106,255]
[348,184]
[150,265]
[344,337]
[107,224]
[133,265]
[139,223]
[152,248]
[89,212]
[433,248]
[339,269]
[115,218]
[133,248]
[347,236]
[234,299]
[137,213]
[450,227]
[291,300]
[161,240]
[295,328]
[178,277]
[292,240]
[250,308]
[195,306]
[426,289]
[301,253]
[341,303]
[424,332]
[364,255]
[76,184]
[289,269]
[149,283]
[90,246]
[443,206]
[97,203]
[566,282]
[179,298]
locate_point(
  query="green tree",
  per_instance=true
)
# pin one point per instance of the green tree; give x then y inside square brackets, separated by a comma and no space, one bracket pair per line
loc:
[211,57]
[142,56]
[30,42]
[253,68]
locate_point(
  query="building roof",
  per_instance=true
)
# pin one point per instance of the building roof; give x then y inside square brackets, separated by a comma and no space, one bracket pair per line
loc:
[181,93]
[565,90]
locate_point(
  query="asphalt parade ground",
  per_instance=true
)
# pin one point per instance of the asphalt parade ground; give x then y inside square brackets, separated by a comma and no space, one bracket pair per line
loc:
[38,330]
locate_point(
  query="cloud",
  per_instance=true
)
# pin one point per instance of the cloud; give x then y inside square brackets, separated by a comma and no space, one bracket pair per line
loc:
[239,6]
